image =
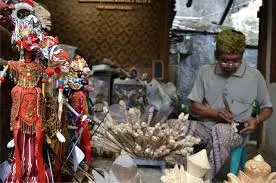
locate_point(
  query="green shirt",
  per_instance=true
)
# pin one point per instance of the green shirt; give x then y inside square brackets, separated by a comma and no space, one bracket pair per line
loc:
[240,90]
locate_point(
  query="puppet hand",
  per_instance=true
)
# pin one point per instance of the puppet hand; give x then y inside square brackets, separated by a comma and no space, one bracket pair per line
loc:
[10,144]
[60,137]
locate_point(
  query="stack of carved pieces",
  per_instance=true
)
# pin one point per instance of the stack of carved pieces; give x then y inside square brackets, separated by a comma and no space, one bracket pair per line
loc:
[256,171]
[127,130]
[197,167]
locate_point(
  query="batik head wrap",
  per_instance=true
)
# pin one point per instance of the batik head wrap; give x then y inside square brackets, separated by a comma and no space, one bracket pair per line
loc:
[230,42]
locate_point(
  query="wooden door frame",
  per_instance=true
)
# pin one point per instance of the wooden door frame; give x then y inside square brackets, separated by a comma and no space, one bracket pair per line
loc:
[262,53]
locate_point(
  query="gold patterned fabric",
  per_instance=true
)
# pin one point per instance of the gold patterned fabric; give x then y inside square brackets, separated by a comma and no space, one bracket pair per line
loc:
[26,74]
[27,100]
[27,107]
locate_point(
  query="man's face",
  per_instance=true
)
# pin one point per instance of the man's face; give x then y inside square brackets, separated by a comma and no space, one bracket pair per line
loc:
[229,62]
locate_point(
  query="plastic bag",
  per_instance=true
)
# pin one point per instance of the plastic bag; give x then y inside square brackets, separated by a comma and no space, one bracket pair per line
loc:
[170,89]
[158,97]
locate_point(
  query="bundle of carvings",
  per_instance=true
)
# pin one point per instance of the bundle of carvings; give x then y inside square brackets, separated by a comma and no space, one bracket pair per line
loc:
[256,171]
[142,139]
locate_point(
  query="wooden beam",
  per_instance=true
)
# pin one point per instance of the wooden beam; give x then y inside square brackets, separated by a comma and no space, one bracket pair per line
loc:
[5,31]
[226,11]
[3,61]
[273,45]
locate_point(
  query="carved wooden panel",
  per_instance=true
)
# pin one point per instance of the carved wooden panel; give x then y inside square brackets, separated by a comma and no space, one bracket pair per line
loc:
[130,38]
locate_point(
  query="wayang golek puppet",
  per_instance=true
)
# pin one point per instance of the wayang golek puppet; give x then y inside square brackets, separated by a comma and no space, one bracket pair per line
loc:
[77,82]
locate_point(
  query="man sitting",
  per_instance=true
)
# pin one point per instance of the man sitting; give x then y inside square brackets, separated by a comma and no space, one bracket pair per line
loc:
[222,94]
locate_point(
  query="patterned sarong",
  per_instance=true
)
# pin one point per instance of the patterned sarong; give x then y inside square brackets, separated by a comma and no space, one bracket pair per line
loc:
[220,139]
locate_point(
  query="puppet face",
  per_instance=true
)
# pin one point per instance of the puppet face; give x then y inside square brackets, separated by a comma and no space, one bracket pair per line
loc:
[30,42]
[78,72]
[79,64]
[25,22]
[49,47]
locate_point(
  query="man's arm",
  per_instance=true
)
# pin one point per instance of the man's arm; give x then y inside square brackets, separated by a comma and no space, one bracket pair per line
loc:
[203,111]
[265,113]
[263,99]
[253,122]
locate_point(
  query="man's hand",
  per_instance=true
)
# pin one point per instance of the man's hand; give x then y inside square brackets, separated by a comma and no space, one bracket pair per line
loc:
[205,112]
[252,124]
[224,116]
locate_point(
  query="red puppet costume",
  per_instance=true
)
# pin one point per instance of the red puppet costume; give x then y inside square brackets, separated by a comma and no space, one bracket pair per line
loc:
[57,59]
[27,122]
[79,101]
[27,113]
